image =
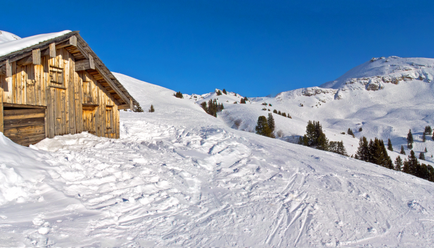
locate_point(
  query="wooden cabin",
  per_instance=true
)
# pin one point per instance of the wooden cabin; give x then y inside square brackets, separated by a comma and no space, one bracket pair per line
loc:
[56,87]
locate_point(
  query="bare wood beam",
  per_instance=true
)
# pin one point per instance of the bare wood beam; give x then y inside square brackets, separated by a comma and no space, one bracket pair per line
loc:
[85,64]
[52,48]
[7,93]
[91,62]
[36,56]
[50,51]
[72,41]
[8,69]
[124,106]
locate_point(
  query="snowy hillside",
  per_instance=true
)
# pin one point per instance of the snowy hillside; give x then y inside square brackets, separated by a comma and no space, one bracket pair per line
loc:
[180,177]
[388,112]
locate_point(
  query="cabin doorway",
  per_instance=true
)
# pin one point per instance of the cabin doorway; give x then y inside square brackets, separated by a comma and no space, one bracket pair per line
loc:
[89,119]
[23,124]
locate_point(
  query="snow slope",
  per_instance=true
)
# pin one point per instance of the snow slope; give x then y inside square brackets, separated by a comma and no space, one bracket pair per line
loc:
[179,177]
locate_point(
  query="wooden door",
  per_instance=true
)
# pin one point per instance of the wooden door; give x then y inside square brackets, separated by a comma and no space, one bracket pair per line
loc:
[89,119]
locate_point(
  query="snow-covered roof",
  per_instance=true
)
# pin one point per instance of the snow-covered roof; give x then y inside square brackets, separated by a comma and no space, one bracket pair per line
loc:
[18,49]
[6,36]
[11,46]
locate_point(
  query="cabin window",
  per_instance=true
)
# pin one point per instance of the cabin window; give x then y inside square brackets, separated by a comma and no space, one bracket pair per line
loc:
[56,76]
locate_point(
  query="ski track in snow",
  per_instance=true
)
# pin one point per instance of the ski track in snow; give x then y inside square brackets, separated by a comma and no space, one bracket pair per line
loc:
[177,186]
[170,186]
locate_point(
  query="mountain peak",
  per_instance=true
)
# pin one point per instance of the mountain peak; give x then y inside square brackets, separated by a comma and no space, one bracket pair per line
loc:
[372,74]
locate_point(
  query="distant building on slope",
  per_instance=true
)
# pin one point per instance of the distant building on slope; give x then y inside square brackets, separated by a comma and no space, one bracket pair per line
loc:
[54,84]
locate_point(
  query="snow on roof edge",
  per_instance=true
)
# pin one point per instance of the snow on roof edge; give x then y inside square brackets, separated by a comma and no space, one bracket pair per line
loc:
[17,45]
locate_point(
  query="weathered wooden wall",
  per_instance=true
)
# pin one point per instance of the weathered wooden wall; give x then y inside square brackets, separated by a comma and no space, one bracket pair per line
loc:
[24,126]
[74,101]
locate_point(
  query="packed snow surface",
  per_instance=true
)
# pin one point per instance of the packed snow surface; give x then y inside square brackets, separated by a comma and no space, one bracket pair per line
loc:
[180,177]
[9,45]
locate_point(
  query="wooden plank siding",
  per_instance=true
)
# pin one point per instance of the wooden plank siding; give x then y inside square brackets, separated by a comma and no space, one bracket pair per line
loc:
[73,101]
[24,126]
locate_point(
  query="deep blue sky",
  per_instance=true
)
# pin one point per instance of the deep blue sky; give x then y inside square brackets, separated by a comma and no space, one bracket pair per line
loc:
[254,48]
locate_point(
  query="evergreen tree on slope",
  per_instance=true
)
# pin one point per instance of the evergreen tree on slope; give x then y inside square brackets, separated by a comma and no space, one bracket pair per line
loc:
[262,127]
[409,140]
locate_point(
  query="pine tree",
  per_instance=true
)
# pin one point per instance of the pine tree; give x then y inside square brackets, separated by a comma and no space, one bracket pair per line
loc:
[422,156]
[406,167]
[224,92]
[409,140]
[378,154]
[341,149]
[262,127]
[428,130]
[203,104]
[350,132]
[275,111]
[398,163]
[426,150]
[386,161]
[219,93]
[178,95]
[363,150]
[402,150]
[337,147]
[300,140]
[423,137]
[431,173]
[322,142]
[412,163]
[314,136]
[213,107]
[389,145]
[151,109]
[371,151]
[423,172]
[271,123]
[432,136]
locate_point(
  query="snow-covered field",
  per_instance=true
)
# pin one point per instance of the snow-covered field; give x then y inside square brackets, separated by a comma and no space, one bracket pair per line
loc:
[180,177]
